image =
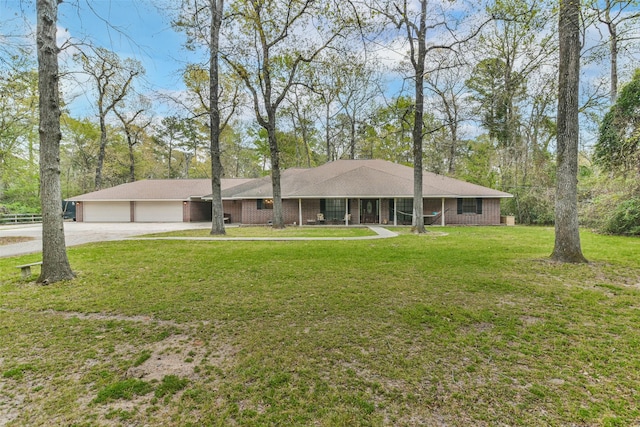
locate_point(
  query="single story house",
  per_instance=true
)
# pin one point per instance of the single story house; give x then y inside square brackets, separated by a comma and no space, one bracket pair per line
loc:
[152,200]
[339,192]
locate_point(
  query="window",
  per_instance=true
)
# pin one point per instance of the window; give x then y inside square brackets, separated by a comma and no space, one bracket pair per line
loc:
[469,206]
[404,210]
[333,209]
[265,204]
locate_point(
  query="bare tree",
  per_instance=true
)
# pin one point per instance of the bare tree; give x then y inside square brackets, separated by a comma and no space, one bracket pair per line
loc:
[269,65]
[202,21]
[567,234]
[620,17]
[416,24]
[217,222]
[113,79]
[55,264]
[133,131]
[446,82]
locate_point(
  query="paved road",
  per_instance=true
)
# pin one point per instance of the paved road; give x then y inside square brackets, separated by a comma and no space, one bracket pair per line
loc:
[78,233]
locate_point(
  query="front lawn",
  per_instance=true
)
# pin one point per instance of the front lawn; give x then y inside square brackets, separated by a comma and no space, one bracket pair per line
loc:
[462,326]
[261,231]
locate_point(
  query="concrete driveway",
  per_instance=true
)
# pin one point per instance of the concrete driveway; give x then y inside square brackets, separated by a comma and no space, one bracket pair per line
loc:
[78,233]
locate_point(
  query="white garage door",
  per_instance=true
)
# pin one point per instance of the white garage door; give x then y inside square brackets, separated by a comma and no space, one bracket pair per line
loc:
[106,212]
[158,212]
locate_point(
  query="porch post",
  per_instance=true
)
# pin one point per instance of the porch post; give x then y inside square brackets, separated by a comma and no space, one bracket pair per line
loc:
[442,216]
[395,211]
[346,211]
[300,212]
[379,211]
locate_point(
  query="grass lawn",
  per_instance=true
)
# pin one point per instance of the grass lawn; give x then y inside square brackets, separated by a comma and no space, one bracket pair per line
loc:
[473,326]
[323,231]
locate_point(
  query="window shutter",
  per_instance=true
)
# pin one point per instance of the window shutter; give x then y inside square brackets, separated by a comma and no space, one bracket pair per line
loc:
[259,205]
[323,205]
[459,206]
[479,206]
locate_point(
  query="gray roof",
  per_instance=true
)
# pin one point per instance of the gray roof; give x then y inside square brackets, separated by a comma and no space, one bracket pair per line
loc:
[358,178]
[157,189]
[339,179]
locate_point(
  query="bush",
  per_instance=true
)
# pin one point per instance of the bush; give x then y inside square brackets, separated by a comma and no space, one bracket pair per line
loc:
[534,206]
[625,218]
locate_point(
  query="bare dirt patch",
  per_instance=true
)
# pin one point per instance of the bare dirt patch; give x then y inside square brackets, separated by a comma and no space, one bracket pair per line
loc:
[176,355]
[10,240]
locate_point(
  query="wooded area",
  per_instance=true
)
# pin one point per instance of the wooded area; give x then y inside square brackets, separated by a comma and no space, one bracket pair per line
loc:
[303,82]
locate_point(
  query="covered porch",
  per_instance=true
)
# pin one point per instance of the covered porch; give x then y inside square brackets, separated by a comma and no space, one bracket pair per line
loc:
[356,211]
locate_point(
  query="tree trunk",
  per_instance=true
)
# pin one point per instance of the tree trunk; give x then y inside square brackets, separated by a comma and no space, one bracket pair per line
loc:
[102,151]
[418,64]
[613,33]
[217,209]
[278,218]
[55,264]
[132,158]
[567,234]
[352,137]
[327,136]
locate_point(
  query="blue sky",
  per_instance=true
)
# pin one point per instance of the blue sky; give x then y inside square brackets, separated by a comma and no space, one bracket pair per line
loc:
[131,28]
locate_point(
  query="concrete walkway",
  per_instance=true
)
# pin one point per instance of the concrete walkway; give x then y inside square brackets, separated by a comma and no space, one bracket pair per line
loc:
[78,233]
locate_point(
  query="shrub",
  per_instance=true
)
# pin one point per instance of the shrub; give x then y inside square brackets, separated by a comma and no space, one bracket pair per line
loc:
[531,206]
[625,218]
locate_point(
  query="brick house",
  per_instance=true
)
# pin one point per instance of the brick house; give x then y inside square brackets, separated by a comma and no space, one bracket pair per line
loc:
[341,192]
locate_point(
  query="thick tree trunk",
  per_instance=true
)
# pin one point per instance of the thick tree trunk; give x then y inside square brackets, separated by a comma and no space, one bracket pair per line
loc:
[217,210]
[418,124]
[278,217]
[55,264]
[567,234]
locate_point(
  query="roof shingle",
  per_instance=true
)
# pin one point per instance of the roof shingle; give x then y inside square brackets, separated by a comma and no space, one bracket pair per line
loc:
[338,179]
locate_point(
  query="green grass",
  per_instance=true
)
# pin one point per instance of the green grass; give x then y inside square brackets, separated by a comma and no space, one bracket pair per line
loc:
[125,389]
[463,326]
[260,232]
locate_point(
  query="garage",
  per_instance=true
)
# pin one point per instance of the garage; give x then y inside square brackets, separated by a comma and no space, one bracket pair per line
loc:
[158,211]
[106,212]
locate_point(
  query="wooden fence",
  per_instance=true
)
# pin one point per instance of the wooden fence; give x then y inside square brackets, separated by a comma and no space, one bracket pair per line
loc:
[19,218]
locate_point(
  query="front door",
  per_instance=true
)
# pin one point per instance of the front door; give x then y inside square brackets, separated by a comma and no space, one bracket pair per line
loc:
[369,211]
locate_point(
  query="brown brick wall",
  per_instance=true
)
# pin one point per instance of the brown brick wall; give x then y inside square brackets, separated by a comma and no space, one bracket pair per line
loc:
[490,213]
[233,208]
[310,210]
[251,214]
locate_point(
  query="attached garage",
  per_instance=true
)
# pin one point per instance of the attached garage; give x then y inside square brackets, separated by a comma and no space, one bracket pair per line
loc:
[158,211]
[106,211]
[154,200]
